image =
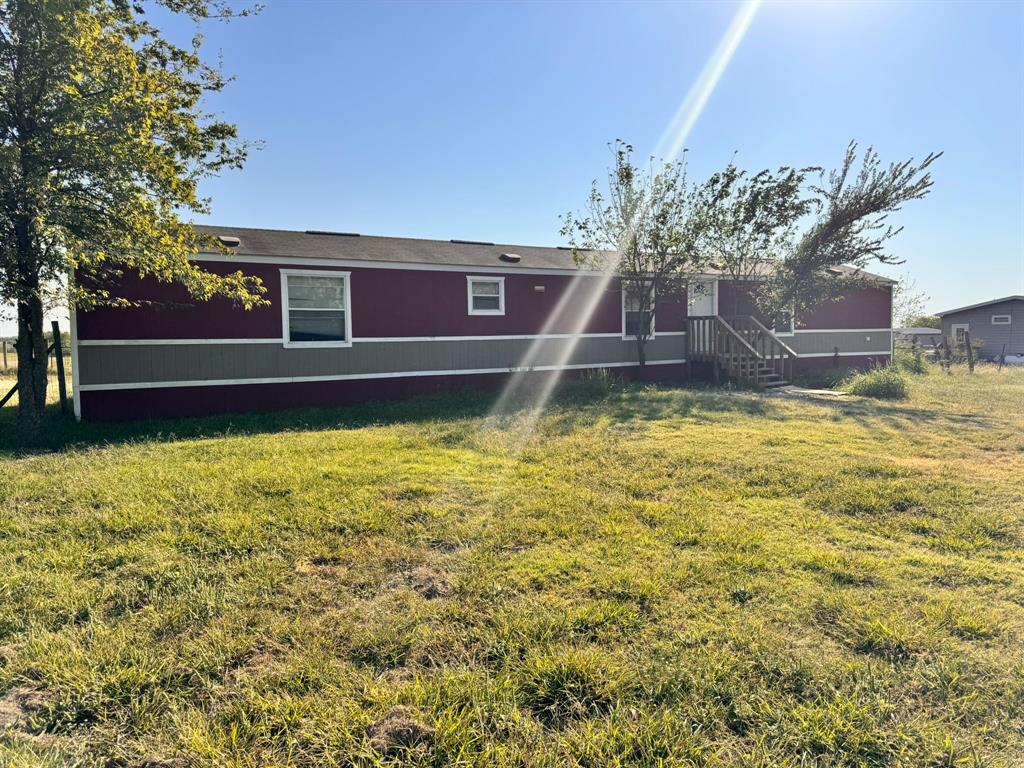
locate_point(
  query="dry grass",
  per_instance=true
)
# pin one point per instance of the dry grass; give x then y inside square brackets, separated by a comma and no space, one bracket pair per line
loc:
[659,577]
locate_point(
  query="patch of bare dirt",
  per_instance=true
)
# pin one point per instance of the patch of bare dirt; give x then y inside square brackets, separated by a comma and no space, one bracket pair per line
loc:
[804,393]
[429,582]
[328,567]
[19,704]
[399,730]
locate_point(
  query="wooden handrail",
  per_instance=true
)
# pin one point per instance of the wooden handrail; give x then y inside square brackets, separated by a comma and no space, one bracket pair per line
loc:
[771,333]
[742,347]
[740,339]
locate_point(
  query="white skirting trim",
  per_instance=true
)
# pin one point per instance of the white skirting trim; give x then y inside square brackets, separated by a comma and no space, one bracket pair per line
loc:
[359,376]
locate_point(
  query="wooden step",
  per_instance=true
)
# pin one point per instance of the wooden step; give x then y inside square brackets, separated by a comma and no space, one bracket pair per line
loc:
[773,384]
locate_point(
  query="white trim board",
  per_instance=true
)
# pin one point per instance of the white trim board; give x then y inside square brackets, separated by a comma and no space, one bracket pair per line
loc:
[842,354]
[170,342]
[843,330]
[358,339]
[362,376]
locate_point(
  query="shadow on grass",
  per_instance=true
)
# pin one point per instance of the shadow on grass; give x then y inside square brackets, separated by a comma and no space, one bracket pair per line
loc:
[872,413]
[574,403]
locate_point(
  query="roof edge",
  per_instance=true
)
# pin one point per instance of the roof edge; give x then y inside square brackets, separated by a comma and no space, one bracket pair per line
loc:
[1015,297]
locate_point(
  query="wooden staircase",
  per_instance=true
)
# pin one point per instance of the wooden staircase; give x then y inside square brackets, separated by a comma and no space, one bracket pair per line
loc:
[741,349]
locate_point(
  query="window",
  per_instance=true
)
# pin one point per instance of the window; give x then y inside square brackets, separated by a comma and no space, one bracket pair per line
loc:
[315,307]
[782,324]
[1000,319]
[959,329]
[637,320]
[486,295]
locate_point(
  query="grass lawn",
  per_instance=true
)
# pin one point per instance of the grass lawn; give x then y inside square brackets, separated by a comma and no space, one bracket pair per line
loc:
[654,577]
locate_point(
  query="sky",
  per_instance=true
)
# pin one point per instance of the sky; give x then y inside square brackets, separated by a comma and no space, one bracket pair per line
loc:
[487,121]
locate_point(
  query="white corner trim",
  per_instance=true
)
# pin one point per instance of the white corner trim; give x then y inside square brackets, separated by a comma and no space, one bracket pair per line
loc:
[288,343]
[76,401]
[363,376]
[500,280]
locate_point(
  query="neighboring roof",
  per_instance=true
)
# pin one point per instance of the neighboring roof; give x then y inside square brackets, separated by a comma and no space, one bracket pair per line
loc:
[316,244]
[847,270]
[980,304]
[920,331]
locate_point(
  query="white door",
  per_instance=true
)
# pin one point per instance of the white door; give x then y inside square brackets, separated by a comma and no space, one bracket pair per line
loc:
[701,301]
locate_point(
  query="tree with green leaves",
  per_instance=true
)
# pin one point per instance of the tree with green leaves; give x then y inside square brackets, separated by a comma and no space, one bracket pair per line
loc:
[643,229]
[103,141]
[908,301]
[850,233]
[751,220]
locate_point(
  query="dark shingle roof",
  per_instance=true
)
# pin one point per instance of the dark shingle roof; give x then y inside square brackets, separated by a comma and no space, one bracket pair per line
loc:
[284,243]
[302,245]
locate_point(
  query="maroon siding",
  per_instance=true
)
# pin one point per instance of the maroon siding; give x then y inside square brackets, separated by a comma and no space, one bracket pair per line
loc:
[173,402]
[385,303]
[869,307]
[734,299]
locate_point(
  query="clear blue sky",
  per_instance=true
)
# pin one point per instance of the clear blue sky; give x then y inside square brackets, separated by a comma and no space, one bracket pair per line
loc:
[486,121]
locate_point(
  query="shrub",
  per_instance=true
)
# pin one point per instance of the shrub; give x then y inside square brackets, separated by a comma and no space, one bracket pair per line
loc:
[911,361]
[885,383]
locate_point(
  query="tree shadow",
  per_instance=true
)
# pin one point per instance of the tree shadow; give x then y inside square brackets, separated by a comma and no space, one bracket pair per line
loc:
[873,413]
[573,404]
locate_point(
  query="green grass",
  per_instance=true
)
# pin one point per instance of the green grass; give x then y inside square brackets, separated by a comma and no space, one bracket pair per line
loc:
[655,577]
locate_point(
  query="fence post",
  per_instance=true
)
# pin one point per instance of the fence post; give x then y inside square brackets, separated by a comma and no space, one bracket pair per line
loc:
[969,350]
[58,354]
[4,345]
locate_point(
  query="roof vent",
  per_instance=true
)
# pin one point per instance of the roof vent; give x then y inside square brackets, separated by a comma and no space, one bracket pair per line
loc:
[515,258]
[333,234]
[228,241]
[471,242]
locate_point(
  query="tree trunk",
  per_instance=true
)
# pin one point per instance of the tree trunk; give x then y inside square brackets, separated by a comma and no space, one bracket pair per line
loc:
[32,373]
[641,351]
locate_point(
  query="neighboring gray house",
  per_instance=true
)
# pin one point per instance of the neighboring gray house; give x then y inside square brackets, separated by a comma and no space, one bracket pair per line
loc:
[998,325]
[924,337]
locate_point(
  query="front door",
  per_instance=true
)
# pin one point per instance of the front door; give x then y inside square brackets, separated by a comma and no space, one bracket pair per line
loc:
[701,300]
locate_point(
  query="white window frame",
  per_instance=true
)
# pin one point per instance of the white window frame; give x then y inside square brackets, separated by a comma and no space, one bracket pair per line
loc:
[792,324]
[998,319]
[654,313]
[285,325]
[953,328]
[470,279]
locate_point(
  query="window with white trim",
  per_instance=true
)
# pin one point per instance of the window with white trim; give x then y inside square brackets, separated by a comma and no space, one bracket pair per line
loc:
[1001,319]
[315,308]
[636,319]
[486,295]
